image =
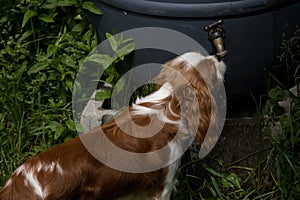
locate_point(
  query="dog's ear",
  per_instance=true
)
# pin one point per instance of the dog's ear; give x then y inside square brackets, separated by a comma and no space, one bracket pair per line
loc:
[171,72]
[195,104]
[191,97]
[212,72]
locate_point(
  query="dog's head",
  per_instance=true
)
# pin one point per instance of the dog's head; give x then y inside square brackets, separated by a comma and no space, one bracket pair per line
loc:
[192,78]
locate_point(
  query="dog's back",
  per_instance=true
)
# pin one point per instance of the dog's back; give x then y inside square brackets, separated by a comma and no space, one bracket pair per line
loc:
[181,109]
[69,172]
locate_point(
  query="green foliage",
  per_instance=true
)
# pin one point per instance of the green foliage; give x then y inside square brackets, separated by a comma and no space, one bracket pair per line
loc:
[285,127]
[120,47]
[275,96]
[291,54]
[42,44]
[225,185]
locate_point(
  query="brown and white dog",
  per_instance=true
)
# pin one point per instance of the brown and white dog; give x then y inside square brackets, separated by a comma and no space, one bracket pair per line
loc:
[87,168]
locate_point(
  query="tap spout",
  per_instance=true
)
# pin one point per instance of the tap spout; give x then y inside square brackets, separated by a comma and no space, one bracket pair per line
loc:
[216,34]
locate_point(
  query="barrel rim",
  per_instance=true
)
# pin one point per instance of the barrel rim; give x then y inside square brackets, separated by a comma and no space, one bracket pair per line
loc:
[192,10]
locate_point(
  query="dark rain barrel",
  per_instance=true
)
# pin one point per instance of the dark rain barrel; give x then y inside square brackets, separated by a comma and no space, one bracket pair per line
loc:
[254,33]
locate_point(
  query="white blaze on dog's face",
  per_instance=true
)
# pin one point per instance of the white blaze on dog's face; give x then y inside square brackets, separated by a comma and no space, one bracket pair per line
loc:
[209,67]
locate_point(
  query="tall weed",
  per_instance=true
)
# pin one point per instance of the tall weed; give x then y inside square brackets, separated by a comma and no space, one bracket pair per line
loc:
[284,126]
[42,44]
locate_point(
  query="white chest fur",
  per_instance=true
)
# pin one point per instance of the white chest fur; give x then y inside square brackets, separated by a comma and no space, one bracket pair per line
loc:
[170,182]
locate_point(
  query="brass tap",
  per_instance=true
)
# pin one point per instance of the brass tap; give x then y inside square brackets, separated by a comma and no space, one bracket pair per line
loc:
[217,35]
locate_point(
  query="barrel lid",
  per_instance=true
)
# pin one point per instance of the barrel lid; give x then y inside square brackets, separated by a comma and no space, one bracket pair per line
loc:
[194,8]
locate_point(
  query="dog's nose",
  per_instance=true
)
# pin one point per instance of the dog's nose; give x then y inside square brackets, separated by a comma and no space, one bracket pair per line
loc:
[217,35]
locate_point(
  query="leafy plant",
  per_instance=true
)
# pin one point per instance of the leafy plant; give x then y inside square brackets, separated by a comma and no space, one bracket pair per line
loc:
[42,44]
[284,127]
[284,156]
[99,72]
[120,47]
[290,55]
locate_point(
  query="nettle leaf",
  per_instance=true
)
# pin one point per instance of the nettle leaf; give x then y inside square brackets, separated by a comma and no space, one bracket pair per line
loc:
[231,180]
[66,2]
[63,2]
[112,41]
[78,27]
[79,127]
[71,125]
[29,14]
[58,3]
[87,36]
[69,61]
[25,35]
[4,19]
[278,93]
[46,18]
[103,59]
[52,48]
[111,70]
[120,85]
[121,53]
[128,40]
[41,57]
[102,95]
[90,6]
[273,92]
[57,128]
[49,5]
[69,85]
[110,78]
[37,67]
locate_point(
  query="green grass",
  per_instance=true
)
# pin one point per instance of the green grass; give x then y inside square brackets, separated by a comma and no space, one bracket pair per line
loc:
[42,44]
[228,182]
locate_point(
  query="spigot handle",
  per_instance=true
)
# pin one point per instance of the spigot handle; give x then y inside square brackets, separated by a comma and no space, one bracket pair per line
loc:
[213,25]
